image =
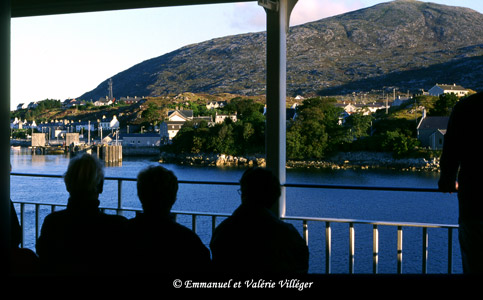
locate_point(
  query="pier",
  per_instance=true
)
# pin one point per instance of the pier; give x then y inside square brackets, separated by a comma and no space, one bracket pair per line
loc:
[109,153]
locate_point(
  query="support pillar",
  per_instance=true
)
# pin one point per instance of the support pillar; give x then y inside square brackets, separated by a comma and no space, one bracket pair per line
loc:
[5,135]
[278,17]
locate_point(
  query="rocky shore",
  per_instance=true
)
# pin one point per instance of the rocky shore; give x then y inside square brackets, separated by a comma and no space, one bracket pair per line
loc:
[344,160]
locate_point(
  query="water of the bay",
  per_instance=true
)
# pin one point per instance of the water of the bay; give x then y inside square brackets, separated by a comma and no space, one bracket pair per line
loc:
[417,207]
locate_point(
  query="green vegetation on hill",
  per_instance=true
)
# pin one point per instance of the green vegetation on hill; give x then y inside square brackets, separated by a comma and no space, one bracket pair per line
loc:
[318,131]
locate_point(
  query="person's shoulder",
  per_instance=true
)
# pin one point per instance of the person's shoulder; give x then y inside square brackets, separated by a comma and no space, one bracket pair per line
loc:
[470,102]
[181,229]
[55,215]
[115,218]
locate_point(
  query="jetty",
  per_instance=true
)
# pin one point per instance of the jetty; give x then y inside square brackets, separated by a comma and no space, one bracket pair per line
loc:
[109,153]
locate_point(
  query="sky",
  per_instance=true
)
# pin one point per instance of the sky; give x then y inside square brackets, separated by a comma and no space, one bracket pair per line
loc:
[64,56]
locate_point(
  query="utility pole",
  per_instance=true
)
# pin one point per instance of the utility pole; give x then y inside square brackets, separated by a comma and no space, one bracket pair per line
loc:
[109,88]
[89,132]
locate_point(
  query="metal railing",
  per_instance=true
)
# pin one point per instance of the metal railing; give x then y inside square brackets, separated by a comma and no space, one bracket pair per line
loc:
[119,209]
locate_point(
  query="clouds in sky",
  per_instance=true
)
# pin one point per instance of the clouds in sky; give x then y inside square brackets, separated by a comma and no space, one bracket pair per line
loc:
[312,10]
[253,16]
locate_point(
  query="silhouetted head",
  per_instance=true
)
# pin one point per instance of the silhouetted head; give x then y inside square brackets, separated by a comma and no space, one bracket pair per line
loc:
[157,189]
[259,187]
[84,176]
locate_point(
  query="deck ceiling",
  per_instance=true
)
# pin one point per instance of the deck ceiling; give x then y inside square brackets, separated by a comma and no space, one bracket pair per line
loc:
[29,8]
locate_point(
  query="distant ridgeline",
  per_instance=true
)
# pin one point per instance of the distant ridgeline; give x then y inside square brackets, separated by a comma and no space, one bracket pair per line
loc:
[409,45]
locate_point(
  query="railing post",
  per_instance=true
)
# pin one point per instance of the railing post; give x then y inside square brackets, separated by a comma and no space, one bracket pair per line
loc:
[306,232]
[425,250]
[22,222]
[399,249]
[213,224]
[119,196]
[375,249]
[328,246]
[193,223]
[351,248]
[37,223]
[450,250]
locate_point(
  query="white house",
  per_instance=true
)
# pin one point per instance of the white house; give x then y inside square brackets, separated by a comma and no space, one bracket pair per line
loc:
[348,108]
[22,106]
[176,119]
[107,124]
[373,107]
[103,101]
[221,118]
[440,89]
[215,104]
[15,123]
[180,115]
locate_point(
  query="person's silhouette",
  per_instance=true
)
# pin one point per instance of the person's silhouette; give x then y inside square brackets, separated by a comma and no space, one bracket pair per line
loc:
[253,239]
[81,239]
[156,242]
[461,167]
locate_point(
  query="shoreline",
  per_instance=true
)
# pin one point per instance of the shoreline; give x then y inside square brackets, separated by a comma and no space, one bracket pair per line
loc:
[340,161]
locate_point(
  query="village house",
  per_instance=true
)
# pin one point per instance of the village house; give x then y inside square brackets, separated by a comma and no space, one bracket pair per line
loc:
[19,124]
[348,108]
[175,120]
[169,129]
[54,128]
[440,89]
[148,139]
[104,101]
[180,115]
[32,105]
[108,124]
[16,124]
[221,118]
[215,104]
[431,130]
[68,103]
[131,100]
[366,109]
[22,106]
[84,126]
[371,108]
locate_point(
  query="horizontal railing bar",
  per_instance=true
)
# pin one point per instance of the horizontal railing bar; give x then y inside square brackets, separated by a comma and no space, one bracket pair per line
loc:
[407,224]
[352,187]
[132,209]
[292,218]
[293,185]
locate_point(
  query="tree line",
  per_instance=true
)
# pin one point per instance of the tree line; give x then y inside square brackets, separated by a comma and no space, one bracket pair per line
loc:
[319,130]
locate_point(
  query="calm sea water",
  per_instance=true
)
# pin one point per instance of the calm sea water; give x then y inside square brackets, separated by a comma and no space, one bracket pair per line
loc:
[325,203]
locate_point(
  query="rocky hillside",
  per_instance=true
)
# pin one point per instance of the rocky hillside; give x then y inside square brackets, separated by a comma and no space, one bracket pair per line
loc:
[405,43]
